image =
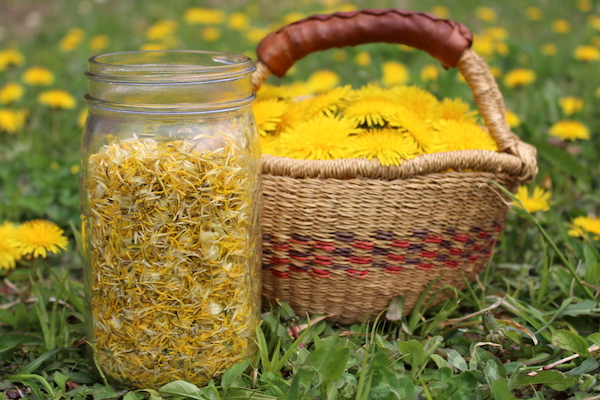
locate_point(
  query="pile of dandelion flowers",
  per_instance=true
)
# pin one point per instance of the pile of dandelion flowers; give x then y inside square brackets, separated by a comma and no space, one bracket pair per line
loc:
[410,122]
[38,237]
[463,135]
[328,102]
[320,138]
[370,111]
[456,109]
[267,114]
[415,99]
[390,146]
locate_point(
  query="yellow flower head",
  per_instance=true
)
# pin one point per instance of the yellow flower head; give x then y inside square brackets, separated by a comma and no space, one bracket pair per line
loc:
[583,225]
[534,13]
[411,123]
[456,109]
[328,102]
[519,77]
[570,105]
[570,130]
[430,72]
[12,121]
[416,99]
[203,16]
[320,138]
[594,21]
[267,114]
[154,46]
[38,237]
[389,146]
[538,201]
[38,76]
[363,59]
[72,39]
[441,11]
[99,42]
[57,98]
[587,53]
[512,119]
[486,14]
[269,144]
[584,5]
[549,49]
[255,35]
[11,92]
[322,80]
[238,21]
[9,254]
[211,34]
[370,111]
[161,29]
[394,73]
[561,26]
[463,135]
[10,57]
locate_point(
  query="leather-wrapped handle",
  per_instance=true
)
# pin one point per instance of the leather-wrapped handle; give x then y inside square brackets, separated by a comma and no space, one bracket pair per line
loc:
[443,39]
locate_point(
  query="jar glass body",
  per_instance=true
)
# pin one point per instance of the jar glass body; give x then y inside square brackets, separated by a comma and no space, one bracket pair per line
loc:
[170,196]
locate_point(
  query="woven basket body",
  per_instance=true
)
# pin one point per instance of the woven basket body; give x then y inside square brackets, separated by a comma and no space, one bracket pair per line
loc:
[345,237]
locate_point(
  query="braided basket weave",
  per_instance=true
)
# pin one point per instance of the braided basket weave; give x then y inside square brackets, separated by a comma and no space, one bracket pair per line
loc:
[344,237]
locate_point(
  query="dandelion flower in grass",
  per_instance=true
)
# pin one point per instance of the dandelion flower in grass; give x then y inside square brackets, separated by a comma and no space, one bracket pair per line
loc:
[322,80]
[211,34]
[72,39]
[12,121]
[389,146]
[429,73]
[584,5]
[370,111]
[267,114]
[462,135]
[519,77]
[237,21]
[161,29]
[570,130]
[441,11]
[99,42]
[38,237]
[292,16]
[534,13]
[538,201]
[486,14]
[11,92]
[57,98]
[154,46]
[9,254]
[456,109]
[363,59]
[255,35]
[512,119]
[561,25]
[582,226]
[594,21]
[10,57]
[570,104]
[549,49]
[320,138]
[394,73]
[203,16]
[587,53]
[38,76]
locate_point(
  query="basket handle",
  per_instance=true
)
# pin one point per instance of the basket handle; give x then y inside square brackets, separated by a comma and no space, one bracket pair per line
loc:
[446,40]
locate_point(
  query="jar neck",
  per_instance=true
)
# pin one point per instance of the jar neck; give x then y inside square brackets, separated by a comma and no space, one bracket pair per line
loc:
[170,82]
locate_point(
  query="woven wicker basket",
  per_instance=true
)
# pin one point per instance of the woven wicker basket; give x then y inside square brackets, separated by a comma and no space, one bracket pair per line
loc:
[344,237]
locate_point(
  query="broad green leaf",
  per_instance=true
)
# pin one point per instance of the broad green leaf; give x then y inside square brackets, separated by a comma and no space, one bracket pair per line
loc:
[592,268]
[106,393]
[456,360]
[61,380]
[570,341]
[182,388]
[492,371]
[595,338]
[320,360]
[586,307]
[588,365]
[10,340]
[130,396]
[501,390]
[550,377]
[338,365]
[233,373]
[414,352]
[35,364]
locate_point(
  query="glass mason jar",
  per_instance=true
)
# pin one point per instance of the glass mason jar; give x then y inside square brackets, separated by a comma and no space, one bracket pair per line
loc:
[170,206]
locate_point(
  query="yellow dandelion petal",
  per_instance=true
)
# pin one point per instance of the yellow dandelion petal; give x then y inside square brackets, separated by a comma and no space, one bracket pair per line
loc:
[11,92]
[486,14]
[519,77]
[320,138]
[429,72]
[463,135]
[203,16]
[512,119]
[394,73]
[255,35]
[161,29]
[238,21]
[581,225]
[211,34]
[389,146]
[456,109]
[370,111]
[99,42]
[38,237]
[363,59]
[587,53]
[549,49]
[561,26]
[72,39]
[57,98]
[408,121]
[10,57]
[416,99]
[538,201]
[584,5]
[267,114]
[594,21]
[534,13]
[328,102]
[322,80]
[570,130]
[38,76]
[270,144]
[441,11]
[9,254]
[570,104]
[12,121]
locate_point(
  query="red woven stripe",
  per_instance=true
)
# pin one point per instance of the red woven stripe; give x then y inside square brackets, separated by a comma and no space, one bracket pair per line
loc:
[393,270]
[280,261]
[363,245]
[323,260]
[433,239]
[424,267]
[461,238]
[357,274]
[281,275]
[360,260]
[319,273]
[400,243]
[299,242]
[281,247]
[483,235]
[396,257]
[455,251]
[428,254]
[294,269]
[452,264]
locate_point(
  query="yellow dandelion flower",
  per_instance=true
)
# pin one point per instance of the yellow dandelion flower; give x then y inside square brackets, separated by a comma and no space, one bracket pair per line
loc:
[270,144]
[340,56]
[485,14]
[161,29]
[320,138]
[561,25]
[512,119]
[519,77]
[584,5]
[549,49]
[538,201]
[587,53]
[9,254]
[238,21]
[211,34]
[429,72]
[534,13]
[322,80]
[456,109]
[74,169]
[389,146]
[363,59]
[255,35]
[154,46]
[38,237]
[416,99]
[594,21]
[570,104]
[10,57]
[11,92]
[57,98]
[203,16]
[581,225]
[496,33]
[394,73]
[72,39]
[463,135]
[292,17]
[328,102]
[99,42]
[370,111]
[267,114]
[12,121]
[496,72]
[413,124]
[484,45]
[38,76]
[441,11]
[570,130]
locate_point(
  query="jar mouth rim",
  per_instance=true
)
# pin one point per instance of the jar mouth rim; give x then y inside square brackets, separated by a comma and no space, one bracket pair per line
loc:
[156,66]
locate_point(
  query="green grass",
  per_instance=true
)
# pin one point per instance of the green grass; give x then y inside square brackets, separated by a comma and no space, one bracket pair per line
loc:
[528,329]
